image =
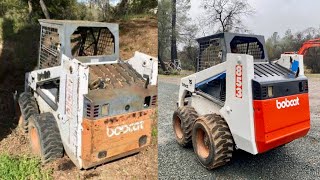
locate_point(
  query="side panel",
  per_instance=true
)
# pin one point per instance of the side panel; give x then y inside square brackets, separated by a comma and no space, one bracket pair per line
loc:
[285,62]
[189,83]
[238,108]
[73,84]
[113,137]
[280,120]
[203,106]
[146,66]
[83,89]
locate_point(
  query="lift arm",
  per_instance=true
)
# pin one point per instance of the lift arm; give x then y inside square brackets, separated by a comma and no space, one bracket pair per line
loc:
[309,44]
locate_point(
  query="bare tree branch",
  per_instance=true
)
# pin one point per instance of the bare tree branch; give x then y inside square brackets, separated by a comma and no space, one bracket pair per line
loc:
[44,9]
[225,15]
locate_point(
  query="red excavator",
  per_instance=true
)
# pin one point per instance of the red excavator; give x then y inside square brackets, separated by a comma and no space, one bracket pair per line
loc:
[305,46]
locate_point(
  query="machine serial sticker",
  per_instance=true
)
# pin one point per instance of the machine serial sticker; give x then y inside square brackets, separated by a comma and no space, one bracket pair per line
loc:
[238,81]
[69,98]
[124,129]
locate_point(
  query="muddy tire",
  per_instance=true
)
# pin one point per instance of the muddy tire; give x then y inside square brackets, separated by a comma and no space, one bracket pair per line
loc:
[28,107]
[182,121]
[212,141]
[44,136]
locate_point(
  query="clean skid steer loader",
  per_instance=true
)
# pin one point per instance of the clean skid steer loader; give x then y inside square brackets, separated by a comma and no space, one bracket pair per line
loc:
[84,101]
[238,99]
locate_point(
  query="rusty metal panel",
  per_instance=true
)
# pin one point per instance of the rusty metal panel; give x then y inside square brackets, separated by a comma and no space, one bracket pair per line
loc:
[115,136]
[110,76]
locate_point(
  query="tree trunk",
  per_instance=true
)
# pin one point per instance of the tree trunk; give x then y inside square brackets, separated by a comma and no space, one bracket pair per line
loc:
[163,66]
[123,7]
[44,9]
[30,10]
[174,53]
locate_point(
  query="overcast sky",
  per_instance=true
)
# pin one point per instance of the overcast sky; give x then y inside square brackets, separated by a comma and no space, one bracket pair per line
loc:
[277,15]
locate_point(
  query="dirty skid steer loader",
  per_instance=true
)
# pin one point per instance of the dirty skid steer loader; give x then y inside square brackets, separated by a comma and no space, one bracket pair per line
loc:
[240,100]
[82,99]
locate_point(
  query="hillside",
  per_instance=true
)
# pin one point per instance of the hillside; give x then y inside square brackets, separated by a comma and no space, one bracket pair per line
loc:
[139,34]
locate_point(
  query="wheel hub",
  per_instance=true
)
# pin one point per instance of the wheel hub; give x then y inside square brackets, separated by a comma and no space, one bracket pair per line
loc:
[203,143]
[177,127]
[35,141]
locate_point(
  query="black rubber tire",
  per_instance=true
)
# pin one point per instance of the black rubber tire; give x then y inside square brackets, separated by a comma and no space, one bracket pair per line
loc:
[50,142]
[182,121]
[212,141]
[28,107]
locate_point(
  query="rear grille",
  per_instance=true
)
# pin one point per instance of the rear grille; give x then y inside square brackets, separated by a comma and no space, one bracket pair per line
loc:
[88,110]
[306,86]
[256,90]
[271,69]
[92,111]
[264,91]
[96,111]
[303,86]
[154,100]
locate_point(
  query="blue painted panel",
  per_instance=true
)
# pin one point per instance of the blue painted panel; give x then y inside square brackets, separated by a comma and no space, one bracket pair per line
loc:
[219,76]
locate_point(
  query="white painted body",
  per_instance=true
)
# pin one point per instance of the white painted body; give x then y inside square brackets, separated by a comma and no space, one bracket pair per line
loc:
[146,66]
[285,61]
[69,115]
[238,112]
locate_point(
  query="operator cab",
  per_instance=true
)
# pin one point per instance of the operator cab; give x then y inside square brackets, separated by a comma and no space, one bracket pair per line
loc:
[88,42]
[213,51]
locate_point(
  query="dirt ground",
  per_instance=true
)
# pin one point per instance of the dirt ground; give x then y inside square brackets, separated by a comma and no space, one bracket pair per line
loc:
[135,35]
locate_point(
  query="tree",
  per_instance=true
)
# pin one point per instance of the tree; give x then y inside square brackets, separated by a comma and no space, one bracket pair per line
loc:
[277,45]
[164,31]
[142,6]
[30,10]
[183,33]
[104,6]
[185,29]
[225,15]
[174,53]
[44,9]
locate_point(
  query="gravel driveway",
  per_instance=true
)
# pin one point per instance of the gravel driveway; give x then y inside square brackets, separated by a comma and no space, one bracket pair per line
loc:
[299,159]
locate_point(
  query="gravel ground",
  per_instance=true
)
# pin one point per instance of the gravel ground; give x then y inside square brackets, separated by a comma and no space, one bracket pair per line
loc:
[299,159]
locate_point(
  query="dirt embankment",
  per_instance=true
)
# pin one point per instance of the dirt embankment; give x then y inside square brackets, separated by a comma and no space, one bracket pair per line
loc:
[140,34]
[135,35]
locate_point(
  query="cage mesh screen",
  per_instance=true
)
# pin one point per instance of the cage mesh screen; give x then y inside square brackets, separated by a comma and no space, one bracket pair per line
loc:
[251,48]
[210,53]
[49,45]
[92,42]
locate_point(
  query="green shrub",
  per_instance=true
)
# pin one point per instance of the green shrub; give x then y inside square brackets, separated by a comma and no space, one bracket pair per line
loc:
[21,168]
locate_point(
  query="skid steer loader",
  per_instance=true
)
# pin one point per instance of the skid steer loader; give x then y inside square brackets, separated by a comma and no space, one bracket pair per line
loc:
[84,101]
[238,99]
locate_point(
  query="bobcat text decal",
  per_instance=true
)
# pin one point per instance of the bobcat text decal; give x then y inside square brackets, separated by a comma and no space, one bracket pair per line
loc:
[287,103]
[126,128]
[239,81]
